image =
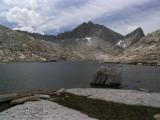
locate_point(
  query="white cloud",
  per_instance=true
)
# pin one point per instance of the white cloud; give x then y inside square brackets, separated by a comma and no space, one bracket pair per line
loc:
[93,9]
[24,3]
[44,15]
[30,29]
[149,23]
[25,18]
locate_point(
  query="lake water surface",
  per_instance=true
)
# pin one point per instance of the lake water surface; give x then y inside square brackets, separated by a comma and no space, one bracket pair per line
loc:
[55,75]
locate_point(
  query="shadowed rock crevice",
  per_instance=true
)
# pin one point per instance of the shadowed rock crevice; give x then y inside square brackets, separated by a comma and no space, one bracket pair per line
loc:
[107,77]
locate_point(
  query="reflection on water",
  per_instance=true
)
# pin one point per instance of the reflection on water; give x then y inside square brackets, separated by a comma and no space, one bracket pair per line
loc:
[55,75]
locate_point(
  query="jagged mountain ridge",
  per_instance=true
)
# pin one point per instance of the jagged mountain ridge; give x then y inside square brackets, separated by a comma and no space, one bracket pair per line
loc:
[84,30]
[17,46]
[88,41]
[92,30]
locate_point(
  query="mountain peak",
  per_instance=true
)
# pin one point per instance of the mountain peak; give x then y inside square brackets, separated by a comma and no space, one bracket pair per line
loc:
[134,36]
[87,23]
[90,29]
[136,31]
[90,23]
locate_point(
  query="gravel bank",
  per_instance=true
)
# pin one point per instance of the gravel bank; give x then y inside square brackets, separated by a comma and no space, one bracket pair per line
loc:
[130,97]
[42,110]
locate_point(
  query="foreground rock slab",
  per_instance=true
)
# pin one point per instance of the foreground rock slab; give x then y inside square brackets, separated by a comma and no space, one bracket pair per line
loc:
[130,97]
[42,110]
[25,99]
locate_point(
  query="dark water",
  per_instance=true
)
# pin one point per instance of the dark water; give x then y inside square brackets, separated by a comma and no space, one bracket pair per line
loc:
[141,77]
[54,75]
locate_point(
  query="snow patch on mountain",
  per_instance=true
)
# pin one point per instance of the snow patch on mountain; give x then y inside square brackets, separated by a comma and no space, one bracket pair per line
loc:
[122,44]
[89,42]
[77,39]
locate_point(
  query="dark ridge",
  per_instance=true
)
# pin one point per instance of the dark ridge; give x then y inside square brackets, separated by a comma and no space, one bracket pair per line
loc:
[91,29]
[134,36]
[137,31]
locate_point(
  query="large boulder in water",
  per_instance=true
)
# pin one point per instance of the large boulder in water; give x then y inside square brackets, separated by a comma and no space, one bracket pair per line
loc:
[107,77]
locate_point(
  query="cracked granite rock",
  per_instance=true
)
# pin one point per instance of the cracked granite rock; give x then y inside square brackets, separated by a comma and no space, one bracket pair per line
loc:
[42,110]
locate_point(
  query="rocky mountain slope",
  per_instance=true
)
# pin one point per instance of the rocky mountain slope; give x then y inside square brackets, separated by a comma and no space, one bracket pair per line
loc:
[25,46]
[88,41]
[90,48]
[146,50]
[15,46]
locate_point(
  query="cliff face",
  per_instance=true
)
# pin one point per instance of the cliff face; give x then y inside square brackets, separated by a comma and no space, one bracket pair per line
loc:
[15,46]
[146,50]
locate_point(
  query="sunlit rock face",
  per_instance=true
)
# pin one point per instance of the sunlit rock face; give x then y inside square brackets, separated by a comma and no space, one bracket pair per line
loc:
[20,47]
[145,50]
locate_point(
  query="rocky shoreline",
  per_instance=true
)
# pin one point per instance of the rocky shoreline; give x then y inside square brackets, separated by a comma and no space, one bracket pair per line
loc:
[65,104]
[130,97]
[42,110]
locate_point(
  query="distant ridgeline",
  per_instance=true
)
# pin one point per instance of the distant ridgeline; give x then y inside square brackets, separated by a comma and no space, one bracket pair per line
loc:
[93,30]
[88,41]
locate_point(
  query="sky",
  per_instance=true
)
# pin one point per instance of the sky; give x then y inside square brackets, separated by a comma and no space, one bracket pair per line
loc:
[55,16]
